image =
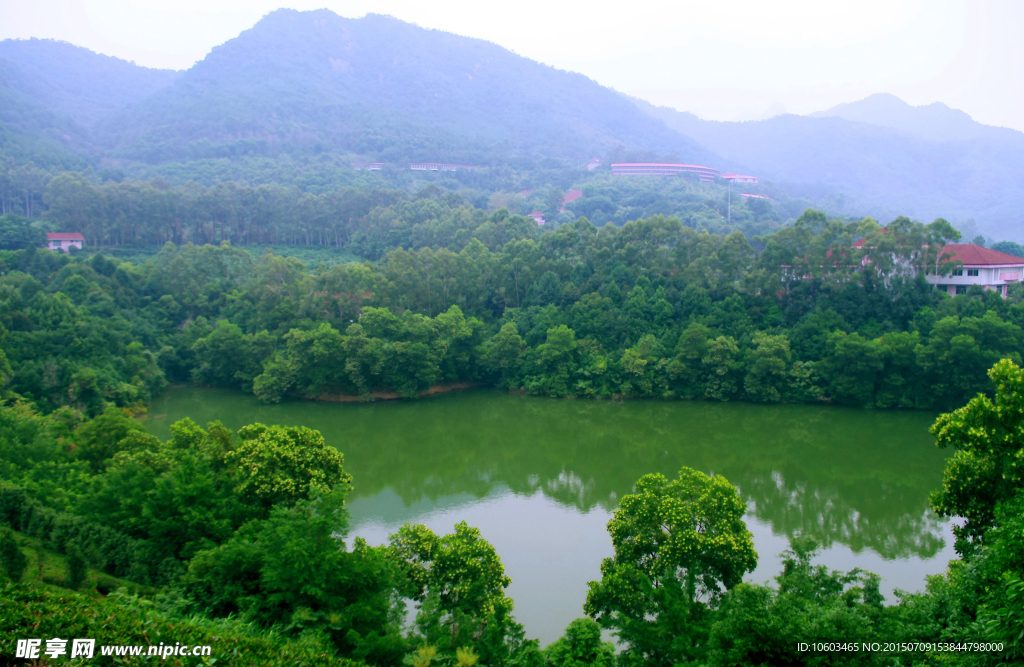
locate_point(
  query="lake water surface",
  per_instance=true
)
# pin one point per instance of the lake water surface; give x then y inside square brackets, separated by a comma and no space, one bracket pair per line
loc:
[540,477]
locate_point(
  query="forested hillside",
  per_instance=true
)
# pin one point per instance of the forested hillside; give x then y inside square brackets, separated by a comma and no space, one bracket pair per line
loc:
[652,309]
[364,216]
[314,81]
[76,83]
[53,93]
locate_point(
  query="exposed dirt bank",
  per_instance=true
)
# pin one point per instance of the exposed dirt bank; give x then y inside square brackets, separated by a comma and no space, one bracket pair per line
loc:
[391,395]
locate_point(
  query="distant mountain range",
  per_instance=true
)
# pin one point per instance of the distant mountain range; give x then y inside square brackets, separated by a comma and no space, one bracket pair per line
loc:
[931,122]
[376,87]
[879,156]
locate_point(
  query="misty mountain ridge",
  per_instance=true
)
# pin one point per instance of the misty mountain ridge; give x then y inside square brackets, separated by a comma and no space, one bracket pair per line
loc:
[932,122]
[384,88]
[52,93]
[75,82]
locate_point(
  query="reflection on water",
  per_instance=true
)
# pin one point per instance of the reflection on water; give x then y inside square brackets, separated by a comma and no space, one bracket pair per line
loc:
[540,477]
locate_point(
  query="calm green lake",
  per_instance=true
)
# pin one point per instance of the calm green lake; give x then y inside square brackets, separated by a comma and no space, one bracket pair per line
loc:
[540,477]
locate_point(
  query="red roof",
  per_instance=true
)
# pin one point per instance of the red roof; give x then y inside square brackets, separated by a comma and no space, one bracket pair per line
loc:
[972,255]
[571,195]
[64,236]
[664,165]
[976,255]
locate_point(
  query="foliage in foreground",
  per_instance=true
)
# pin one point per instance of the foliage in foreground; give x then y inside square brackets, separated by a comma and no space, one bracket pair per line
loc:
[39,611]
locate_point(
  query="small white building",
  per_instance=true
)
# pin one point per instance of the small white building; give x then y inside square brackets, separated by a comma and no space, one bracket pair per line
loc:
[537,216]
[64,241]
[740,178]
[982,266]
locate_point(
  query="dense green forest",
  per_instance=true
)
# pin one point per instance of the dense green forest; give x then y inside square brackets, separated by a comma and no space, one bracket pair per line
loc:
[651,309]
[325,202]
[245,533]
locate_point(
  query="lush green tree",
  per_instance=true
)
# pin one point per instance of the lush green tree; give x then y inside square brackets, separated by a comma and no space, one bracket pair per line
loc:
[98,439]
[758,626]
[294,571]
[679,545]
[503,352]
[644,368]
[229,358]
[76,568]
[281,465]
[1009,247]
[179,494]
[959,352]
[722,368]
[767,368]
[556,359]
[687,369]
[459,584]
[987,465]
[580,646]
[852,365]
[12,558]
[901,383]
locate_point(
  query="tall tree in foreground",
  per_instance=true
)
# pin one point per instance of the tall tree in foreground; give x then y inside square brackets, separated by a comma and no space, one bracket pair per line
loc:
[678,545]
[459,582]
[987,466]
[984,484]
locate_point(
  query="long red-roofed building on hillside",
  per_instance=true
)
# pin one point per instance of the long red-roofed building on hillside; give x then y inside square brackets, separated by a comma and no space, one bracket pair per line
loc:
[706,174]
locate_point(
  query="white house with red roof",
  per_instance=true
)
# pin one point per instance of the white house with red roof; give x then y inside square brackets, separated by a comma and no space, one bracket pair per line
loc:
[537,216]
[64,241]
[982,266]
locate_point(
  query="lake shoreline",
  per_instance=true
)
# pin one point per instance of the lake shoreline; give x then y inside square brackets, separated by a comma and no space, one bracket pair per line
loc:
[393,395]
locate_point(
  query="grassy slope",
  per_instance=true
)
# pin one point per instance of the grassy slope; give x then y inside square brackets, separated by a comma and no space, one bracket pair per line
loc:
[42,609]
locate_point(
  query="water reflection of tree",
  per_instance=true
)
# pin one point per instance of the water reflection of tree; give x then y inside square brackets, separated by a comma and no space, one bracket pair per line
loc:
[860,478]
[826,514]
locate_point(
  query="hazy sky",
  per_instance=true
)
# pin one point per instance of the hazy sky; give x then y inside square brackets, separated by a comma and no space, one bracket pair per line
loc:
[724,61]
